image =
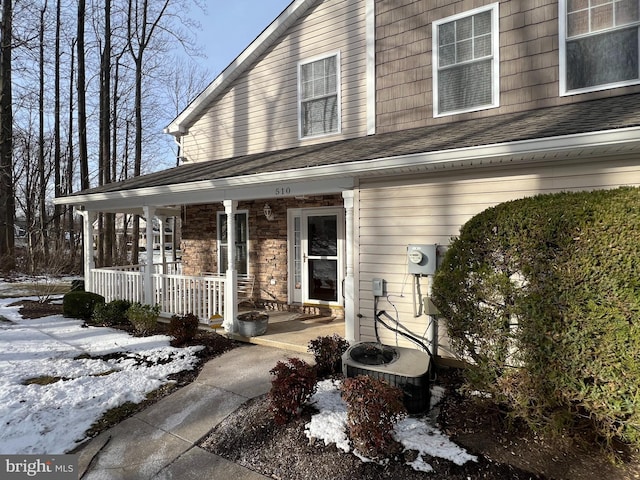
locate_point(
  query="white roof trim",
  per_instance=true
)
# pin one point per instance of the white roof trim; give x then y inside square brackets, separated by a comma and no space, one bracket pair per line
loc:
[338,177]
[243,61]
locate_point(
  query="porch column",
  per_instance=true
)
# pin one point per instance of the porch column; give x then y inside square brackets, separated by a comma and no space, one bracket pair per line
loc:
[148,270]
[349,283]
[230,290]
[88,217]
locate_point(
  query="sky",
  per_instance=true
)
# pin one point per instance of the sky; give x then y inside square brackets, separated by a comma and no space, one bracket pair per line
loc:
[229,27]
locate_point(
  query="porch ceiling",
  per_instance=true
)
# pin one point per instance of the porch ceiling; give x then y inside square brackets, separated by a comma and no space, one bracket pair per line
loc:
[609,126]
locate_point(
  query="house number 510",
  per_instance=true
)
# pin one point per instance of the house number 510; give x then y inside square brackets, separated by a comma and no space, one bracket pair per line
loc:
[281,191]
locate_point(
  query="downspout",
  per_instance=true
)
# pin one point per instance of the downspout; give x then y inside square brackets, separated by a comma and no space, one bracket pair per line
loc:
[88,217]
[148,270]
[349,283]
[230,289]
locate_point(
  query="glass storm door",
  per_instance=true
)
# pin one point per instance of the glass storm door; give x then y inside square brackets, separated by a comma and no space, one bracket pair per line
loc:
[321,259]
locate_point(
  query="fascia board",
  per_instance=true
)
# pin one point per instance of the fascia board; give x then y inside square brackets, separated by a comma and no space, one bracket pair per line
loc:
[268,36]
[334,178]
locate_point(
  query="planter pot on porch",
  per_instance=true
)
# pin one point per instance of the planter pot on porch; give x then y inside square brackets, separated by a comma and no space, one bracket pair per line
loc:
[252,324]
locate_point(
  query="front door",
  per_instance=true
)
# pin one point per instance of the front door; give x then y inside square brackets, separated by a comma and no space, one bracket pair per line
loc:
[321,249]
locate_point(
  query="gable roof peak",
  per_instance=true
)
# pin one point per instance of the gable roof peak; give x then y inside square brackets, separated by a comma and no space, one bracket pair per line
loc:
[239,65]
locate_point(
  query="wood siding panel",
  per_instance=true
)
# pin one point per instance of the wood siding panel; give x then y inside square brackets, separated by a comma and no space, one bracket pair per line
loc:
[430,210]
[259,112]
[529,60]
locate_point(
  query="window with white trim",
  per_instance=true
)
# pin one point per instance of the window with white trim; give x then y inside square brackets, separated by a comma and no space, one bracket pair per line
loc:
[241,248]
[466,62]
[319,95]
[598,44]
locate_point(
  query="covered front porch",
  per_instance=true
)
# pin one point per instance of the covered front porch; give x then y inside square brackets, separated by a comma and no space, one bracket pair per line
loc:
[217,297]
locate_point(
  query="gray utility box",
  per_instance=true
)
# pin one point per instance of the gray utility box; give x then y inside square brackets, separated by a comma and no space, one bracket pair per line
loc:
[421,259]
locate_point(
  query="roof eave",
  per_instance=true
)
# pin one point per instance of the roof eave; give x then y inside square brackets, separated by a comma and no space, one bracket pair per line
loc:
[336,177]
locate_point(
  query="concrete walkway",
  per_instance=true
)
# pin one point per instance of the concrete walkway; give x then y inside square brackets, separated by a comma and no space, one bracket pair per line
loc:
[160,442]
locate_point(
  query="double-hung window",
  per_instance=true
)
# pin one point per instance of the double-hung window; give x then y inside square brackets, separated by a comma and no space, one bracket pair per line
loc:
[598,44]
[466,61]
[319,94]
[241,247]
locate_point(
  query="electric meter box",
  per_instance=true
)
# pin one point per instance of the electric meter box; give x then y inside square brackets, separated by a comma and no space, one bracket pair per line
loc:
[421,259]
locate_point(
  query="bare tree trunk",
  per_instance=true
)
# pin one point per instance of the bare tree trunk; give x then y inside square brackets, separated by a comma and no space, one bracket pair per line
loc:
[82,104]
[70,153]
[42,190]
[141,29]
[57,212]
[105,140]
[7,200]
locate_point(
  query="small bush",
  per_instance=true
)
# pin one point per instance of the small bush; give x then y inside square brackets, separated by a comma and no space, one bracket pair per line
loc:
[293,385]
[327,352]
[112,313]
[80,304]
[144,318]
[184,328]
[373,408]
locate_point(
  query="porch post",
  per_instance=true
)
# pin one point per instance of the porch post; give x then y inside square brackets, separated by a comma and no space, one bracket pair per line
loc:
[230,291]
[148,270]
[88,217]
[349,283]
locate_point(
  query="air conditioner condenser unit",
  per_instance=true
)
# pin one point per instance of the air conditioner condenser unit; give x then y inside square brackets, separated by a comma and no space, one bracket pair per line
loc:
[406,368]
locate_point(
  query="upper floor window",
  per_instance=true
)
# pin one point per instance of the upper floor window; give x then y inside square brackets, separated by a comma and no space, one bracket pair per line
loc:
[319,94]
[598,44]
[466,61]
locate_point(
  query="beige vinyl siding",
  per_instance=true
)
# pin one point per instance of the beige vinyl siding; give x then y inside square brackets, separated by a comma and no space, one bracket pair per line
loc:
[259,112]
[391,215]
[529,60]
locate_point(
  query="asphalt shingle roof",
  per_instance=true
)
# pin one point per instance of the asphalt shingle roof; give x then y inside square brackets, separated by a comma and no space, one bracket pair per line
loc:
[597,115]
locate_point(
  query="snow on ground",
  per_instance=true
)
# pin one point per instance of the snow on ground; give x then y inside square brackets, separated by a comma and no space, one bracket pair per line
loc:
[53,419]
[330,425]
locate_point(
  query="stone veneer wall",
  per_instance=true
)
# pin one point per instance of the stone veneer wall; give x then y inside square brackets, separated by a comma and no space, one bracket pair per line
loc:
[267,242]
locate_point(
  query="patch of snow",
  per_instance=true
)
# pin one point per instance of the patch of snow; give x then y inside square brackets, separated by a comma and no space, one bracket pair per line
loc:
[53,419]
[330,425]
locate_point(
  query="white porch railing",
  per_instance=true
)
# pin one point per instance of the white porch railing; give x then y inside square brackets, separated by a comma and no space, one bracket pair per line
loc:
[175,293]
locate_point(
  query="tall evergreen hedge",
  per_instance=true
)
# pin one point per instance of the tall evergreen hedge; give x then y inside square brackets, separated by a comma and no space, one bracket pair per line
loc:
[542,295]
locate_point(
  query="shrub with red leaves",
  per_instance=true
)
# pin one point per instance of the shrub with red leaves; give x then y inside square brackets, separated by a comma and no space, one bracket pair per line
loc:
[292,387]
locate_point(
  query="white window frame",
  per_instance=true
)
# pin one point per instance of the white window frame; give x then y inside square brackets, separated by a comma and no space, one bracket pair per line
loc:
[336,54]
[562,34]
[223,268]
[495,58]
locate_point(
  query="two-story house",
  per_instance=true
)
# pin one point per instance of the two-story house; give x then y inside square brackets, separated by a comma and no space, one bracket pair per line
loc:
[350,131]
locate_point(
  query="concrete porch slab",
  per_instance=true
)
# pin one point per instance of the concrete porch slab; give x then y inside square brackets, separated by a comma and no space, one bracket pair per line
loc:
[293,332]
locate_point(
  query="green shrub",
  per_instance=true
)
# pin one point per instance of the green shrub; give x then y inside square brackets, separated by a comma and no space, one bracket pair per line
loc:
[111,313]
[144,318]
[80,304]
[543,295]
[77,285]
[184,328]
[373,408]
[292,387]
[327,352]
